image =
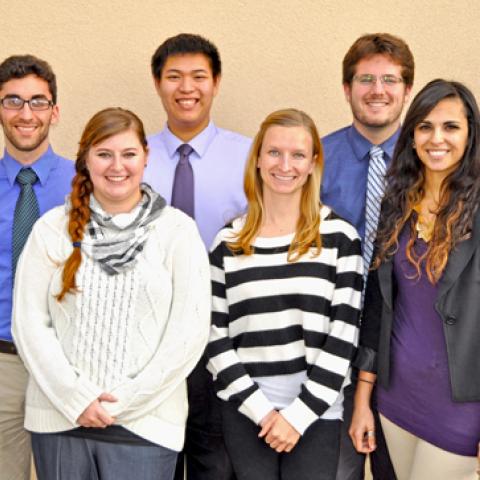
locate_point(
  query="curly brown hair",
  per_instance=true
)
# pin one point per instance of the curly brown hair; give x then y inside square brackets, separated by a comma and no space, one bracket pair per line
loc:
[459,194]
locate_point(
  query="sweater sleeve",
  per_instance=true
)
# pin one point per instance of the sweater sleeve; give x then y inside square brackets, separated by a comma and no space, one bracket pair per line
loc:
[366,358]
[332,361]
[231,379]
[185,336]
[35,337]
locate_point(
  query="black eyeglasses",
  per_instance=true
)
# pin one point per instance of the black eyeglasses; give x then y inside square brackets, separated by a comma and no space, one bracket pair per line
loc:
[36,104]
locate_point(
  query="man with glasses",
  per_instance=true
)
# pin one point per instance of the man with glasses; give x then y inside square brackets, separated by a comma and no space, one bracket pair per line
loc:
[33,179]
[378,72]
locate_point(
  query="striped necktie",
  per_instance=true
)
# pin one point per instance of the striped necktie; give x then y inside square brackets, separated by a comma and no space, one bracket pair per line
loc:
[183,187]
[26,213]
[375,191]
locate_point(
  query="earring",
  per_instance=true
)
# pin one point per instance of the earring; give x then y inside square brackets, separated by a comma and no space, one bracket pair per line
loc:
[413,144]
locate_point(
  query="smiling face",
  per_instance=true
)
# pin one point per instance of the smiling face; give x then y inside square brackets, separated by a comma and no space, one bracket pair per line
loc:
[285,161]
[26,131]
[377,107]
[187,89]
[441,137]
[116,168]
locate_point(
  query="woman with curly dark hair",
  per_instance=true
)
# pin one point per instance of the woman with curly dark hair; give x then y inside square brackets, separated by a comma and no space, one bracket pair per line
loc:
[421,329]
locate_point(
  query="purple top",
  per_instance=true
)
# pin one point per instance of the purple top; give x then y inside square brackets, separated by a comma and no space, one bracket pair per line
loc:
[419,398]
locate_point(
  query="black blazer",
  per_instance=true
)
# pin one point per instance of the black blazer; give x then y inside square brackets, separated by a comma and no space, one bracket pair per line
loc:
[457,303]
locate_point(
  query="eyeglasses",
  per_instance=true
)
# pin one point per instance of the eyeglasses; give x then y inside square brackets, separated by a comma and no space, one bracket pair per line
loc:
[36,104]
[368,80]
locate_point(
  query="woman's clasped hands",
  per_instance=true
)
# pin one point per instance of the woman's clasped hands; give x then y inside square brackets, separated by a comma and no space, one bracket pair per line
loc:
[278,433]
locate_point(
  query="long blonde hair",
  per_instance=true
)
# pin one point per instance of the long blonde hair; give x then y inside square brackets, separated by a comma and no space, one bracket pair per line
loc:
[307,233]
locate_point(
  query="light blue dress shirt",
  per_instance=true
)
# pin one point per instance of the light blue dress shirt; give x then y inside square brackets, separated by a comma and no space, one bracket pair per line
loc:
[218,163]
[344,182]
[54,183]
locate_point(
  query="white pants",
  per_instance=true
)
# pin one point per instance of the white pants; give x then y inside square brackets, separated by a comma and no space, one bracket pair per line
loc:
[15,449]
[416,459]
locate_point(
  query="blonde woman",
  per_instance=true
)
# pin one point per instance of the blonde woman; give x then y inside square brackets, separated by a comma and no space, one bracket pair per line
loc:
[286,281]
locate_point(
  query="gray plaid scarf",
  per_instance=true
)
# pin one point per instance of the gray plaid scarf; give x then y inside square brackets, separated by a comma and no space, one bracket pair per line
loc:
[117,251]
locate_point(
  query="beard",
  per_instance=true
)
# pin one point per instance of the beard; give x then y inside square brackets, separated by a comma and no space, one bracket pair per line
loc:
[371,122]
[26,144]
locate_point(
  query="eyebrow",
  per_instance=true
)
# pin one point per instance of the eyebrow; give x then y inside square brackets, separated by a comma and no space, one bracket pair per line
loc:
[17,95]
[271,145]
[443,123]
[176,70]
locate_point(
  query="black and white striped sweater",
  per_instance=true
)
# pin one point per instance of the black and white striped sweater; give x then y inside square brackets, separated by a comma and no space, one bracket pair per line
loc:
[271,317]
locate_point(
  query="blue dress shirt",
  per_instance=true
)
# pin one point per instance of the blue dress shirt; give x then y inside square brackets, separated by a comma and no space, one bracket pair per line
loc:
[344,183]
[54,183]
[218,163]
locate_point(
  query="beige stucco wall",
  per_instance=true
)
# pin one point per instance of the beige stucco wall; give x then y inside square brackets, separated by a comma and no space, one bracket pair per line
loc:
[275,53]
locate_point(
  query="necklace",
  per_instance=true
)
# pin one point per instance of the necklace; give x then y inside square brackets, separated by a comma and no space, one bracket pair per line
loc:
[424,225]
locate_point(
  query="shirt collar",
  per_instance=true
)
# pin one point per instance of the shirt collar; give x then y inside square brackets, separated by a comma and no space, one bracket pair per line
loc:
[200,143]
[42,166]
[361,146]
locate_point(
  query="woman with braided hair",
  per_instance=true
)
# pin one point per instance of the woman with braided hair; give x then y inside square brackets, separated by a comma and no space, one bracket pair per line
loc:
[111,314]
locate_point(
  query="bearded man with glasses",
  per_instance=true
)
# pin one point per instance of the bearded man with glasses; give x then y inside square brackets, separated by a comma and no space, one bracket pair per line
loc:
[378,72]
[33,179]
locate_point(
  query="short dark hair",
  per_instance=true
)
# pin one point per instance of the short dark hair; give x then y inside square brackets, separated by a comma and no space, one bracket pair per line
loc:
[19,66]
[379,44]
[183,44]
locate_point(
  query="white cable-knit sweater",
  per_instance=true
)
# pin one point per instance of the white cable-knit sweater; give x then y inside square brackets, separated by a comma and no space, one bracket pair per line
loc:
[136,335]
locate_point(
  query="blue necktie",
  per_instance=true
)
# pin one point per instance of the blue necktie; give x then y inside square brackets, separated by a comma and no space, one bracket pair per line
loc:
[375,191]
[183,187]
[26,213]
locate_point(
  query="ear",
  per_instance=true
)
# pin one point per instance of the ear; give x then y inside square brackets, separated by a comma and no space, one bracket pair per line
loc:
[347,90]
[312,164]
[216,84]
[55,115]
[408,91]
[156,83]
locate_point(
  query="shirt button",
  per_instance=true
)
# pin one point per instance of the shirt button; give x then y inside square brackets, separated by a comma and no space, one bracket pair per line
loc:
[451,320]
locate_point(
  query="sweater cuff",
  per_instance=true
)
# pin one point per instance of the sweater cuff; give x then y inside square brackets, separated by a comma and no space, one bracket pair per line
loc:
[125,394]
[299,415]
[256,407]
[85,393]
[366,359]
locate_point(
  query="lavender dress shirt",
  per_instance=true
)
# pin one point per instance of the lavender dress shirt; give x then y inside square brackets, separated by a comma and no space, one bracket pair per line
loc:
[218,163]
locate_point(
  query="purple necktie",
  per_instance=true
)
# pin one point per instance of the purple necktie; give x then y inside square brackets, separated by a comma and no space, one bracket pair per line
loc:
[182,193]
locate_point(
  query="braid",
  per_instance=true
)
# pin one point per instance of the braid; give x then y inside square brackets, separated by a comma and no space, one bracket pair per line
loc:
[103,125]
[79,216]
